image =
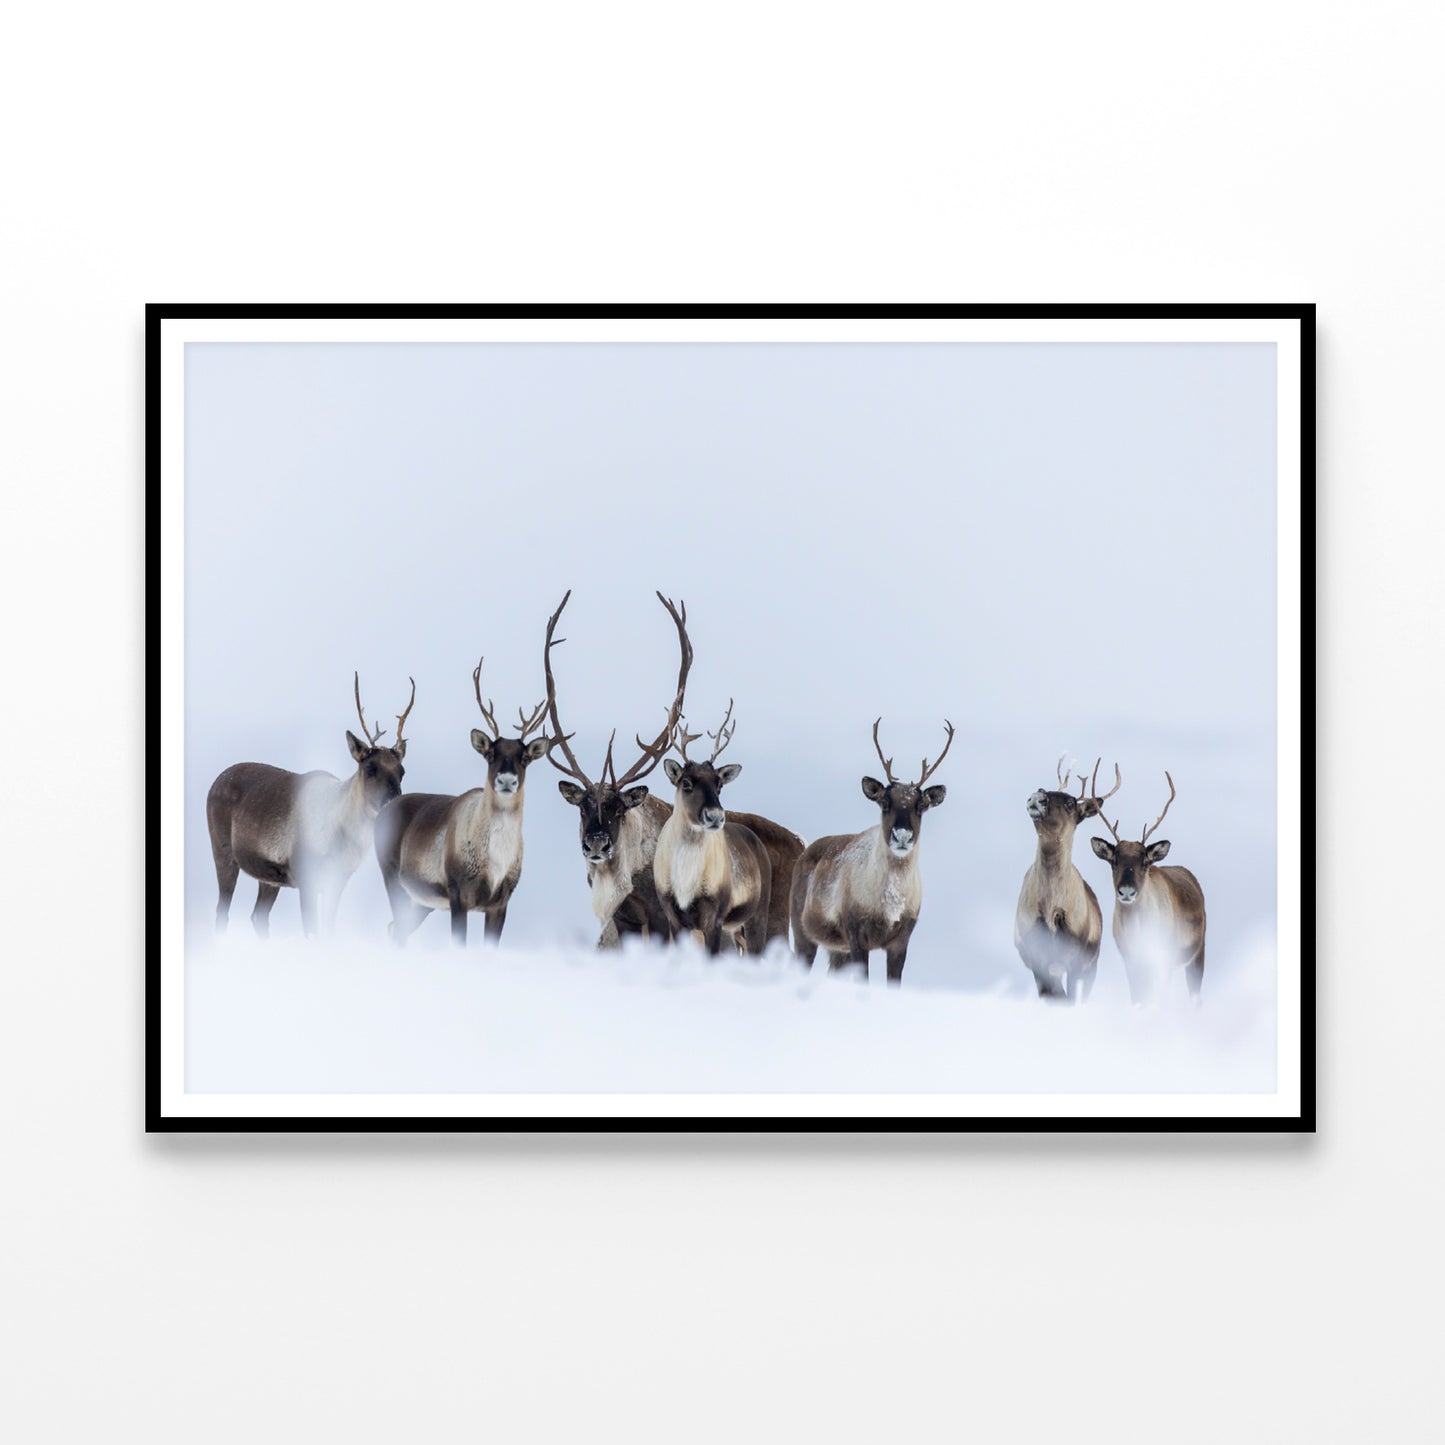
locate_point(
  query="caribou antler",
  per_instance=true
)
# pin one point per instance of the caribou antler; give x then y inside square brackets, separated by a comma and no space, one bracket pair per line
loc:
[488,716]
[681,738]
[887,762]
[560,739]
[1088,787]
[653,752]
[724,734]
[929,772]
[1160,818]
[370,736]
[527,722]
[1061,775]
[401,717]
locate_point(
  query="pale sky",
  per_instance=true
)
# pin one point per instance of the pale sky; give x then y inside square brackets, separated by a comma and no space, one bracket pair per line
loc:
[1059,547]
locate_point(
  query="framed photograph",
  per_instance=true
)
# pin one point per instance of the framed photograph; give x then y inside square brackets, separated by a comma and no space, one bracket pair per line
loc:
[731,718]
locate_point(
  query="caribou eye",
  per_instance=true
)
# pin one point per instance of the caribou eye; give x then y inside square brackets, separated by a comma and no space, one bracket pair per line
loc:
[371,770]
[686,785]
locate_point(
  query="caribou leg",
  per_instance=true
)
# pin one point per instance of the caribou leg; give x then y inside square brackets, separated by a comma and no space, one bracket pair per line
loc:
[261,913]
[459,919]
[495,918]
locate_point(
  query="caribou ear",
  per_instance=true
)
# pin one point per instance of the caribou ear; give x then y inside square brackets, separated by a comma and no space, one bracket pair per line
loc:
[673,769]
[572,792]
[400,748]
[1088,807]
[1158,850]
[537,748]
[1104,848]
[482,743]
[873,790]
[358,748]
[632,797]
[727,774]
[933,796]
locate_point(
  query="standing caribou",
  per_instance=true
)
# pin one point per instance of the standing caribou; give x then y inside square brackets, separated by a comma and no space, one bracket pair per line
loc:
[855,892]
[712,875]
[1057,924]
[462,854]
[620,822]
[1158,912]
[307,831]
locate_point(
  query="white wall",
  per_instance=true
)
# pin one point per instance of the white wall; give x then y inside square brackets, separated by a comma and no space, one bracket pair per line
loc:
[431,1288]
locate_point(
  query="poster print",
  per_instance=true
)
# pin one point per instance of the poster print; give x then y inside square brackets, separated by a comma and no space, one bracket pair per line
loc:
[701,718]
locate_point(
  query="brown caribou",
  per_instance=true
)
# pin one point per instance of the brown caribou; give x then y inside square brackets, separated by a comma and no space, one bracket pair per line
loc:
[1158,912]
[463,854]
[620,819]
[307,831]
[712,875]
[1058,925]
[854,892]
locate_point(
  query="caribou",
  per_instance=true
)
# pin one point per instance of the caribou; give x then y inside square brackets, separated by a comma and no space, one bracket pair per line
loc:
[620,819]
[855,892]
[307,831]
[463,853]
[1058,925]
[712,875]
[1158,912]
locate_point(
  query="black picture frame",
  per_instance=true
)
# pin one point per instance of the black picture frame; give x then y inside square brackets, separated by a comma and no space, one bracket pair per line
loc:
[156,1121]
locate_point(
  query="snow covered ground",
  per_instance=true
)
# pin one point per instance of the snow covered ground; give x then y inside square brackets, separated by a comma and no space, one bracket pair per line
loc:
[289,1017]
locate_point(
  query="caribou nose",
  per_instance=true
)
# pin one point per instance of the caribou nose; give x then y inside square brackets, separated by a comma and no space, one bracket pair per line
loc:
[506,783]
[713,818]
[598,849]
[902,839]
[1127,893]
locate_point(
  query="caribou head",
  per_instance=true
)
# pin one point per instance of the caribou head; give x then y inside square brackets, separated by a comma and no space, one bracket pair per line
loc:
[1056,813]
[507,758]
[904,804]
[379,769]
[1130,861]
[699,784]
[605,803]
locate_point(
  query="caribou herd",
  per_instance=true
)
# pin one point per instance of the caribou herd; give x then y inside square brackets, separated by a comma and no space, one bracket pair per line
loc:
[692,867]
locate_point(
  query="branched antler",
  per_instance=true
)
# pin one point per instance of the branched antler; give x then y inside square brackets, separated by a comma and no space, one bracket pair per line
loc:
[1060,774]
[1089,787]
[370,736]
[527,723]
[1160,818]
[402,716]
[724,734]
[488,716]
[653,752]
[681,738]
[559,738]
[887,762]
[928,772]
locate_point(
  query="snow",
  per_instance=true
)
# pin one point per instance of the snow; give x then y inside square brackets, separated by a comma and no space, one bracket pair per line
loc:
[343,1017]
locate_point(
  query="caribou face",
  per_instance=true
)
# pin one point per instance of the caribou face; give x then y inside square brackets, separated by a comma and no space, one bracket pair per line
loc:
[903,806]
[1055,815]
[602,808]
[507,760]
[698,786]
[1131,863]
[380,771]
